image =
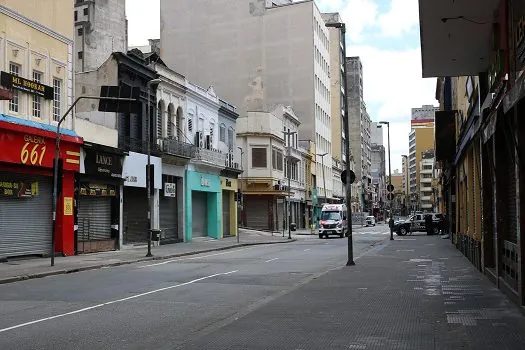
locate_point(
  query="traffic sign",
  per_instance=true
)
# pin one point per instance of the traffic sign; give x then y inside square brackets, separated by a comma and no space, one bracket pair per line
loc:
[390,188]
[390,196]
[343,177]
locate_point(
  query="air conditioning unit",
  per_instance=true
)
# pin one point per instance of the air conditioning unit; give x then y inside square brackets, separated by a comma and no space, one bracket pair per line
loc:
[209,141]
[230,160]
[199,139]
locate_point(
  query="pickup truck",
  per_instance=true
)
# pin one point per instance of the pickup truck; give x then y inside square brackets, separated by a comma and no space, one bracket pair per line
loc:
[416,223]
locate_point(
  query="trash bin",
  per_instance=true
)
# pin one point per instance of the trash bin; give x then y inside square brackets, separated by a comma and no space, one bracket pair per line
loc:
[155,234]
[293,226]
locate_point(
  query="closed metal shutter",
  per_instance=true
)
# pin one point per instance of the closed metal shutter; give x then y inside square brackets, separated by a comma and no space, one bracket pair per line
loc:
[257,213]
[168,217]
[25,224]
[226,213]
[135,215]
[199,208]
[94,218]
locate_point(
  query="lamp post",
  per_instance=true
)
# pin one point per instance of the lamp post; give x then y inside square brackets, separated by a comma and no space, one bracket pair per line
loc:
[148,166]
[287,135]
[324,179]
[391,220]
[241,201]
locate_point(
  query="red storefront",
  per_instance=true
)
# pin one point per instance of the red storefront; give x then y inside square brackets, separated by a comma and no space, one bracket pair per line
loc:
[26,183]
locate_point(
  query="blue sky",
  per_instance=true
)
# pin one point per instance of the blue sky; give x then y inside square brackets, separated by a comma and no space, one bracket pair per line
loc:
[384,33]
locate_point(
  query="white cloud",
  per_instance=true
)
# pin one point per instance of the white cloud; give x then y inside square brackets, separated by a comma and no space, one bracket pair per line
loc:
[402,17]
[392,82]
[358,16]
[329,5]
[143,18]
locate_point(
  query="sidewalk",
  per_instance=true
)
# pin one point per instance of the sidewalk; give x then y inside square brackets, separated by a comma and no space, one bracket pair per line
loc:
[17,270]
[413,293]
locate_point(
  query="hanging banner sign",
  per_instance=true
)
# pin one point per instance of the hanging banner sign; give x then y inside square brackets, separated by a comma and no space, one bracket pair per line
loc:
[16,189]
[12,81]
[98,190]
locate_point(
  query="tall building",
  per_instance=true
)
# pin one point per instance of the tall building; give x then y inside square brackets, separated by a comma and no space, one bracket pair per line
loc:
[377,134]
[257,60]
[36,67]
[338,98]
[424,114]
[426,174]
[421,139]
[360,127]
[100,29]
[406,181]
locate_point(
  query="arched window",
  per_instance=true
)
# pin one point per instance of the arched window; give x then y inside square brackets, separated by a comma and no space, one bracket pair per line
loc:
[170,122]
[179,125]
[222,133]
[160,119]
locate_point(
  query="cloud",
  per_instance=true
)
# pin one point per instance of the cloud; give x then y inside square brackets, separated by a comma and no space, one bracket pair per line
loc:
[392,85]
[328,5]
[359,15]
[401,18]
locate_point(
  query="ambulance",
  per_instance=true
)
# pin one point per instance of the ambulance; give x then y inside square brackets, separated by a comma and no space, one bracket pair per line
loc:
[333,220]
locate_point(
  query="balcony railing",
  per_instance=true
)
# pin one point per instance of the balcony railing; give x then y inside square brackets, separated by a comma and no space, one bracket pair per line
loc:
[210,157]
[174,147]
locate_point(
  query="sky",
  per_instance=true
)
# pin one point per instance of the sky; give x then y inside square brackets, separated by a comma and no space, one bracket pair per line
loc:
[384,33]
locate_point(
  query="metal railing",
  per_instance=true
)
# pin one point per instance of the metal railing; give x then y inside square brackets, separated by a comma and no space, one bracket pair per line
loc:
[174,147]
[211,157]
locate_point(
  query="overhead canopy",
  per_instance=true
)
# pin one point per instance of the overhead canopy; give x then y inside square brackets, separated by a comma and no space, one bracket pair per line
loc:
[455,36]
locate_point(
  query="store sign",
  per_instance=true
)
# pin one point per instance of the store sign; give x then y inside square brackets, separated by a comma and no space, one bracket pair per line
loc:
[134,170]
[98,190]
[205,182]
[170,189]
[32,87]
[17,189]
[102,163]
[34,150]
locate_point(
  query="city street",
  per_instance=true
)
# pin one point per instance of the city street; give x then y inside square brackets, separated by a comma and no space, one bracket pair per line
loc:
[166,303]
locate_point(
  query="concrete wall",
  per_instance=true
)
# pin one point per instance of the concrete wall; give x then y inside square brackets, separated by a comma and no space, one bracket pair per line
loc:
[104,29]
[354,100]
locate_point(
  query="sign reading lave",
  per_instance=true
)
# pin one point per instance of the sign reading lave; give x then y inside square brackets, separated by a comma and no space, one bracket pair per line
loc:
[102,163]
[12,81]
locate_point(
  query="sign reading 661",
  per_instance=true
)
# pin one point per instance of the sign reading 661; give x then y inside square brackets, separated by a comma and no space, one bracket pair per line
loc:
[33,151]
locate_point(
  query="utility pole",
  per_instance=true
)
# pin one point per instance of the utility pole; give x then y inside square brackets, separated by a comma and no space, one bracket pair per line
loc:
[148,166]
[287,135]
[390,187]
[57,158]
[346,145]
[241,204]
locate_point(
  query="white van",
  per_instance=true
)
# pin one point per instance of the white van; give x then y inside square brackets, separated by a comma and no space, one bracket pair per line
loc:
[333,220]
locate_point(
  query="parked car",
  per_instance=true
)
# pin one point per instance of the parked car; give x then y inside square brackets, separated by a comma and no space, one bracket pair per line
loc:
[370,221]
[416,223]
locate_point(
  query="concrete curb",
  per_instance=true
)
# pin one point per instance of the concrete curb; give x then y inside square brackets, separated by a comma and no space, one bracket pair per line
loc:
[133,261]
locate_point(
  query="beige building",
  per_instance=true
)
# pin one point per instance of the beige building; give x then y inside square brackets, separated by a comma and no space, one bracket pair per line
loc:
[257,59]
[37,45]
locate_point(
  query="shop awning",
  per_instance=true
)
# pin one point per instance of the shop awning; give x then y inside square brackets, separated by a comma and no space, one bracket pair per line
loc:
[49,129]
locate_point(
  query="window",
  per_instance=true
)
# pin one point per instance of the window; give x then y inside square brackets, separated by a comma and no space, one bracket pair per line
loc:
[76,16]
[80,55]
[57,99]
[80,31]
[37,102]
[259,157]
[277,159]
[86,11]
[222,133]
[190,124]
[230,137]
[14,102]
[159,120]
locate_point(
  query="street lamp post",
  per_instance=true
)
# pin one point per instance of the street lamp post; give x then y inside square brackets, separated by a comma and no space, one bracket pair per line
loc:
[148,166]
[289,167]
[324,178]
[57,157]
[241,201]
[391,220]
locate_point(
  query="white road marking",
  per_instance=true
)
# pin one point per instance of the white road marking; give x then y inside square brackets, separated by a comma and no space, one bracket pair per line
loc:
[272,259]
[113,302]
[193,258]
[307,249]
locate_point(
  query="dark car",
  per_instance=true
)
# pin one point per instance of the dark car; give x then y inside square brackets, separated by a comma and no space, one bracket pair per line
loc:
[416,223]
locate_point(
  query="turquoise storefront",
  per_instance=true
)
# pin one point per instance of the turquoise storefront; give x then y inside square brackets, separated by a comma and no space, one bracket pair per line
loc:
[203,205]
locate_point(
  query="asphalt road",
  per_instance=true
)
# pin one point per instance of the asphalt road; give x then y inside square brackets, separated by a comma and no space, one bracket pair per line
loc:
[165,304]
